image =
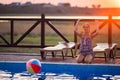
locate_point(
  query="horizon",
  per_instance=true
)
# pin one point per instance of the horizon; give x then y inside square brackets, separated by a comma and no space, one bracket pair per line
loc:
[79,3]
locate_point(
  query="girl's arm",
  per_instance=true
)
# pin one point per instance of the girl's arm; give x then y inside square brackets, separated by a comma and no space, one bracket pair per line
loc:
[76,29]
[97,29]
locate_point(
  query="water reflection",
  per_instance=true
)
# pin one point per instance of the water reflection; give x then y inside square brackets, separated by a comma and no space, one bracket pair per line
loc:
[5,75]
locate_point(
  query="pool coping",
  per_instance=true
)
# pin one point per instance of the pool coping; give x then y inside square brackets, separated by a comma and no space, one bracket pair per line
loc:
[64,63]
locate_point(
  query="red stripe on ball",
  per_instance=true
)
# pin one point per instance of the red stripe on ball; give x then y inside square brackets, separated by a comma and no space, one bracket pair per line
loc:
[36,68]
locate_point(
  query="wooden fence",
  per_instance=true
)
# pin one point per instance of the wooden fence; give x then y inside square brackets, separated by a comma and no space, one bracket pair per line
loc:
[46,19]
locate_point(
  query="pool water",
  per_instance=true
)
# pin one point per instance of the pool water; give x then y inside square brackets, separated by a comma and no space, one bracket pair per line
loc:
[60,71]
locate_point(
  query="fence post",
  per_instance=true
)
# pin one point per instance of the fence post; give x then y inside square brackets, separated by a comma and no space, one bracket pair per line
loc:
[42,31]
[12,32]
[110,30]
[42,34]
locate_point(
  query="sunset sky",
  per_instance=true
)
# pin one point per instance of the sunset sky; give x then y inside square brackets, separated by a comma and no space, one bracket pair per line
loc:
[80,3]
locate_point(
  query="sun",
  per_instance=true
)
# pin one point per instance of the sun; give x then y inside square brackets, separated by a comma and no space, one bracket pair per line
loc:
[115,3]
[109,3]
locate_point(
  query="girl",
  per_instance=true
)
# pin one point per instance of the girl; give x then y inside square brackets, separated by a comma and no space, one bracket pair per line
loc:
[86,53]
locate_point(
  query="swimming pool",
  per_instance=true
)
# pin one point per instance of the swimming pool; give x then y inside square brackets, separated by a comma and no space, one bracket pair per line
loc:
[79,71]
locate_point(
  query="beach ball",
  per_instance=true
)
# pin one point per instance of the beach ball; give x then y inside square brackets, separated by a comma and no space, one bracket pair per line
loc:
[33,66]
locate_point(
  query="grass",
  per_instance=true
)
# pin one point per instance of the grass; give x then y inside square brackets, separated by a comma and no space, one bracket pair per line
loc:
[49,41]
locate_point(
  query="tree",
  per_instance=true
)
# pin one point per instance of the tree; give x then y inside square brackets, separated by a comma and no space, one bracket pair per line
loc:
[96,6]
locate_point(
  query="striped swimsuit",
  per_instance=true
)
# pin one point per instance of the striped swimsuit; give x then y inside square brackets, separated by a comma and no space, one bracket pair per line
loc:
[86,46]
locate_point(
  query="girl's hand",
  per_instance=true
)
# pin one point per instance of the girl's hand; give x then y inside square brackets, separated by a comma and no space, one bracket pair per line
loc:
[76,25]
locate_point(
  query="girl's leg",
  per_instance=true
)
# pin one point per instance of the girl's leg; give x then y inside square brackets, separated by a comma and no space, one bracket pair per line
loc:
[88,58]
[79,58]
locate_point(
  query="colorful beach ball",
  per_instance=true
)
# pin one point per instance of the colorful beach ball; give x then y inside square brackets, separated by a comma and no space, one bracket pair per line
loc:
[33,66]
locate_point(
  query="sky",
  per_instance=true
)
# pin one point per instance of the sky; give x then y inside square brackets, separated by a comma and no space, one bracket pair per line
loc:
[80,3]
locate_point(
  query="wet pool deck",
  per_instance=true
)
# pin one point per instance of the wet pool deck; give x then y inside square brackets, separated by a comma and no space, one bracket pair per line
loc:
[27,56]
